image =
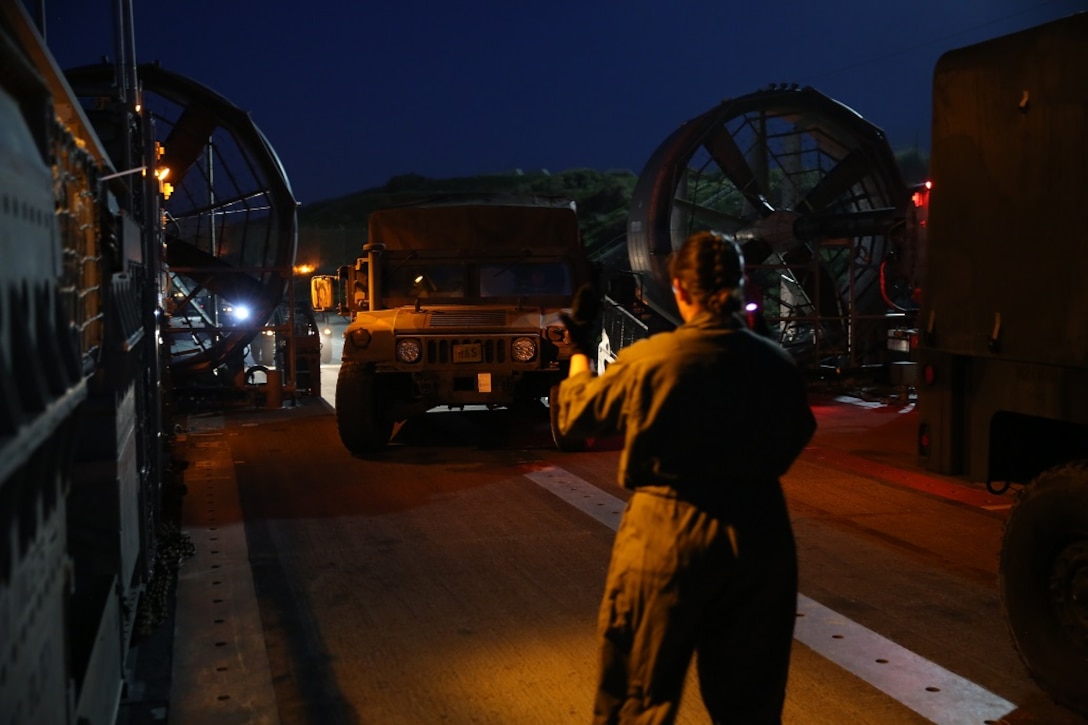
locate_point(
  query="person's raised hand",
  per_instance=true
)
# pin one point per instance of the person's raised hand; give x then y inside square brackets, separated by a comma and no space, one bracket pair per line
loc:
[584,319]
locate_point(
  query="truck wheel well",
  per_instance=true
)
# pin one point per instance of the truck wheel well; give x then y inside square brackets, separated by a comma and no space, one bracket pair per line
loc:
[1023,446]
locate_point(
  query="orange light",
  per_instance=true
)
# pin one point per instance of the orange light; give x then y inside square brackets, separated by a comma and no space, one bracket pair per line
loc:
[304,269]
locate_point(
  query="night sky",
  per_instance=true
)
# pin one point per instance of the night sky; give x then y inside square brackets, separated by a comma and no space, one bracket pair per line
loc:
[352,92]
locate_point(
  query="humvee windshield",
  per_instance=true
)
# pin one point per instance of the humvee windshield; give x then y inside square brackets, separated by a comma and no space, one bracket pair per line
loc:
[416,279]
[525,279]
[427,279]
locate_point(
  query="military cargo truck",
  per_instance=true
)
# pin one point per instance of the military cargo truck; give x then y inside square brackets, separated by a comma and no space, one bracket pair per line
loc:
[1003,390]
[454,303]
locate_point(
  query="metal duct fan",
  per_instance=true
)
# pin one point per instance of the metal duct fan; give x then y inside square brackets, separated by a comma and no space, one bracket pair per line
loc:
[230,220]
[812,192]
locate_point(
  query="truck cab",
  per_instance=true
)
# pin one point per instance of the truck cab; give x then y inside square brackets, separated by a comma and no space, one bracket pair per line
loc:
[453,304]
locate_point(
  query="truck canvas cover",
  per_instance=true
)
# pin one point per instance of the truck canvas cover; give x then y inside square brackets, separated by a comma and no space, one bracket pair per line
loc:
[491,229]
[1015,266]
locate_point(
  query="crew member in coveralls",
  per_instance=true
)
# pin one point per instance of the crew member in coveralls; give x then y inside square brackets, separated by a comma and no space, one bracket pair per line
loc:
[704,560]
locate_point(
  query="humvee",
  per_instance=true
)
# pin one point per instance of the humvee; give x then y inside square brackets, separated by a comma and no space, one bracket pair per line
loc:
[453,304]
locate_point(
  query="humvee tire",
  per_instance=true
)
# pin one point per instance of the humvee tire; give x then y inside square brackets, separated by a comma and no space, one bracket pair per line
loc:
[1044,582]
[363,424]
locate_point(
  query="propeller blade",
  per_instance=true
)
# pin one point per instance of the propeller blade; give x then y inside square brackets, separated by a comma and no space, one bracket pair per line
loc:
[860,223]
[728,221]
[214,274]
[725,152]
[187,140]
[847,173]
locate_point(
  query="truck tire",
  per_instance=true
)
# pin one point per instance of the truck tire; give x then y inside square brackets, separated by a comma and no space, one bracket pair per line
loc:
[562,442]
[360,416]
[1044,582]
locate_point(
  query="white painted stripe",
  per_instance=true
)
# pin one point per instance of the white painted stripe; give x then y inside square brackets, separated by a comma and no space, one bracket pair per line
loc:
[580,494]
[923,686]
[927,688]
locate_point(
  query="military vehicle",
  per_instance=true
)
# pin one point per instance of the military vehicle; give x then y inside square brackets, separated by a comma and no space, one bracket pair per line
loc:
[455,303]
[1003,389]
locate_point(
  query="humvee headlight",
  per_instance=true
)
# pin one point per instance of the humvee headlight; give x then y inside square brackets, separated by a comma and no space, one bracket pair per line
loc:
[523,349]
[409,350]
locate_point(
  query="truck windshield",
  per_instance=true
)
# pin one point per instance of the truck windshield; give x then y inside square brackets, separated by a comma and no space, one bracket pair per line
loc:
[426,280]
[525,279]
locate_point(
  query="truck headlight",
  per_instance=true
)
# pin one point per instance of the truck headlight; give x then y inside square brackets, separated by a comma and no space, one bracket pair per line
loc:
[409,350]
[523,349]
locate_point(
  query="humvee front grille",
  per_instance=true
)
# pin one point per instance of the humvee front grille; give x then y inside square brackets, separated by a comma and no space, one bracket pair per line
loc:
[440,351]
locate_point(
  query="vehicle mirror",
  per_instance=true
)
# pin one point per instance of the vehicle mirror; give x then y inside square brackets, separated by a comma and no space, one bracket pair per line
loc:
[321,297]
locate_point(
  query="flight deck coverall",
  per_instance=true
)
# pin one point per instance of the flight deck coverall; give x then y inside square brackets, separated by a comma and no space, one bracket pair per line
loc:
[704,559]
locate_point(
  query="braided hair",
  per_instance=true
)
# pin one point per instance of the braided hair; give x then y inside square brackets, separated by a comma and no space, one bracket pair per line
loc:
[710,266]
